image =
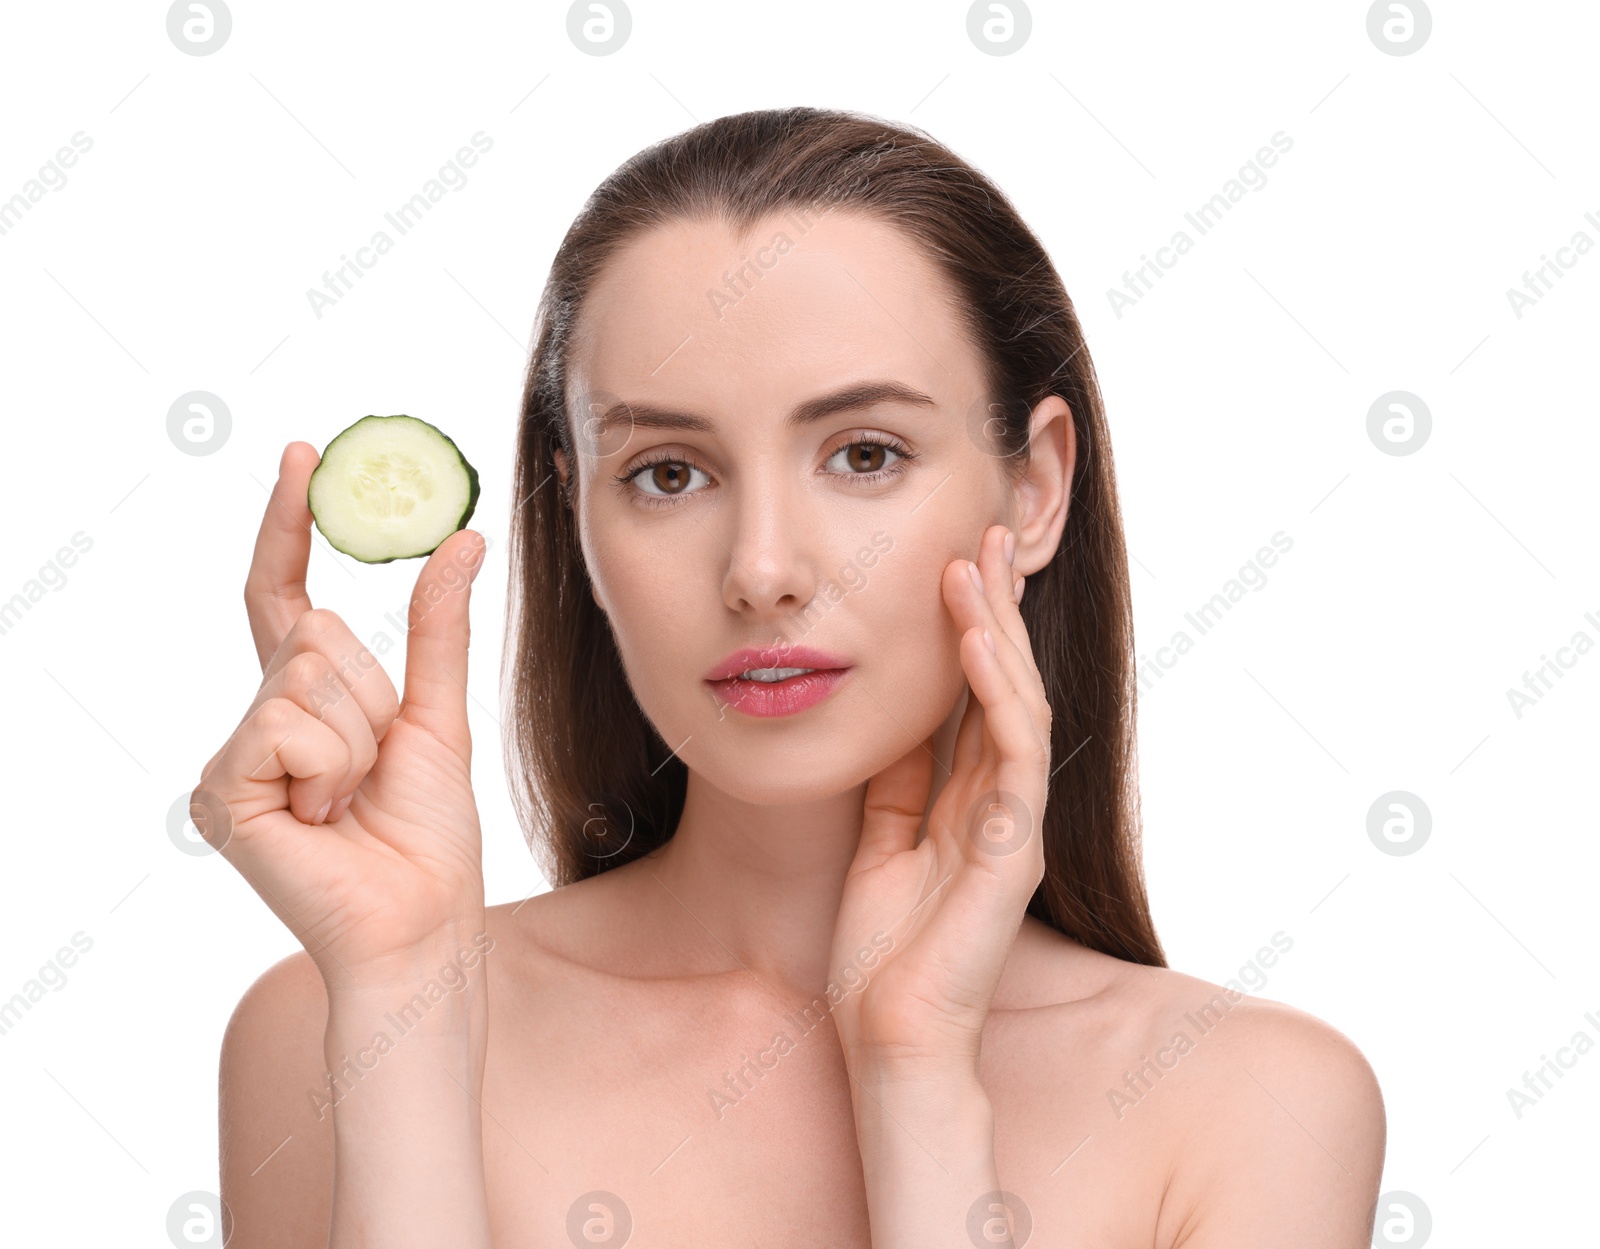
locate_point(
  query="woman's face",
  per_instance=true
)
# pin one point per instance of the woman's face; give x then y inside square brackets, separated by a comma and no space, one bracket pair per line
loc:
[727,505]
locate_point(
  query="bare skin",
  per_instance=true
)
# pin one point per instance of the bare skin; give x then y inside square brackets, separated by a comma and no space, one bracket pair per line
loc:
[589,1049]
[600,1068]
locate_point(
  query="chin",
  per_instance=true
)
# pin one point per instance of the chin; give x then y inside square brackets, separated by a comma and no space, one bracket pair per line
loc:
[812,757]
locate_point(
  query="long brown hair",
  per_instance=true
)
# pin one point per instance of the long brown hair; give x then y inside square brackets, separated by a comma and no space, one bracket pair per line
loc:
[593,783]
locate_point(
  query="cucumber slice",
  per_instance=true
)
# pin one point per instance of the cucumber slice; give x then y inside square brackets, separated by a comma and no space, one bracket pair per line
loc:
[391,487]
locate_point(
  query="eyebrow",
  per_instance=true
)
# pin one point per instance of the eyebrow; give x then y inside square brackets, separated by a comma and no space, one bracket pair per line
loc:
[849,398]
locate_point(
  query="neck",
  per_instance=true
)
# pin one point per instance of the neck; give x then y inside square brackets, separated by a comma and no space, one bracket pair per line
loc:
[756,888]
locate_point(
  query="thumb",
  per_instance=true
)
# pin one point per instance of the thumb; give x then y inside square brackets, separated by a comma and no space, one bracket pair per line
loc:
[438,629]
[895,802]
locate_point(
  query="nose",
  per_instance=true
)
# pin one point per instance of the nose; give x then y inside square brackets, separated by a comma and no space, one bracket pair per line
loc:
[771,571]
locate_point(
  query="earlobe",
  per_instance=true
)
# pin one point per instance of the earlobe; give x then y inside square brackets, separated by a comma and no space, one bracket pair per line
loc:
[1044,492]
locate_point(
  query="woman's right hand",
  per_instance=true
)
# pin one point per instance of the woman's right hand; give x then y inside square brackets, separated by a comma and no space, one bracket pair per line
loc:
[348,810]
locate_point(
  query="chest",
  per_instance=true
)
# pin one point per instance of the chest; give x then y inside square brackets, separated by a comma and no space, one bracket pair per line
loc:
[663,1119]
[688,1121]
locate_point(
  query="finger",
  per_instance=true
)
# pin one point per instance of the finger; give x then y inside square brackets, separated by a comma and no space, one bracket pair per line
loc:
[1008,719]
[892,811]
[999,589]
[969,738]
[279,739]
[323,632]
[275,590]
[971,608]
[1001,833]
[981,911]
[439,628]
[309,681]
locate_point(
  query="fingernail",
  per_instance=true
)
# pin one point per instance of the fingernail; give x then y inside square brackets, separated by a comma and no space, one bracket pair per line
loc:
[988,640]
[1017,589]
[977,577]
[477,563]
[322,814]
[344,805]
[1011,546]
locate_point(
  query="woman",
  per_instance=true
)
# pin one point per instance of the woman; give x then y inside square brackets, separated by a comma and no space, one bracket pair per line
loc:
[854,955]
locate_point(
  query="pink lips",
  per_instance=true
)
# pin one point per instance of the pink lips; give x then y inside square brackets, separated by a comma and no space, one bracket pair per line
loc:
[777,698]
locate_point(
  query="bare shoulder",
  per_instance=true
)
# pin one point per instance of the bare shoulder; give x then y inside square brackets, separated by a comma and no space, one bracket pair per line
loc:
[1259,1123]
[1277,1122]
[276,1149]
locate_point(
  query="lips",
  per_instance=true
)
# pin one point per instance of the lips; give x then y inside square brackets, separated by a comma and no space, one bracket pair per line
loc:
[777,698]
[775,657]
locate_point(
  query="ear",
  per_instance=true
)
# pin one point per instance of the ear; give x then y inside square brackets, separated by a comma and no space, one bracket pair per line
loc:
[1044,492]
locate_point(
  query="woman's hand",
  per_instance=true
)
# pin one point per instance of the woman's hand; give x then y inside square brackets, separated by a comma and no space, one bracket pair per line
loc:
[950,906]
[349,811]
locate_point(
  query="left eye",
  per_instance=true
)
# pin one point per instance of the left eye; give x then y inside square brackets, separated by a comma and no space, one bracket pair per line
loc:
[863,458]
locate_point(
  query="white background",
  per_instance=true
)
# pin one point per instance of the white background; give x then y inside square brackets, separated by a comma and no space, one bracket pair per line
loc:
[1377,657]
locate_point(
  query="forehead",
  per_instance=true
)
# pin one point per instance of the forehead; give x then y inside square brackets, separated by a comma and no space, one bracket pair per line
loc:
[695,313]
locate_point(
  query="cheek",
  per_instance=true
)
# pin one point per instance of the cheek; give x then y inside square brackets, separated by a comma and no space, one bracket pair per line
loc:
[909,642]
[646,600]
[900,606]
[659,616]
[890,617]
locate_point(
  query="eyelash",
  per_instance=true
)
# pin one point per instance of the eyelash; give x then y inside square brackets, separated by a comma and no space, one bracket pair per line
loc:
[625,480]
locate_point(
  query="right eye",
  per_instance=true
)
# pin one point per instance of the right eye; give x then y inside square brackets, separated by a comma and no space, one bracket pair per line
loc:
[661,480]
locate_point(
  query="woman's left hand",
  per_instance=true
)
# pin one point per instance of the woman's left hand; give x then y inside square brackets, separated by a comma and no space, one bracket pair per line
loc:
[947,910]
